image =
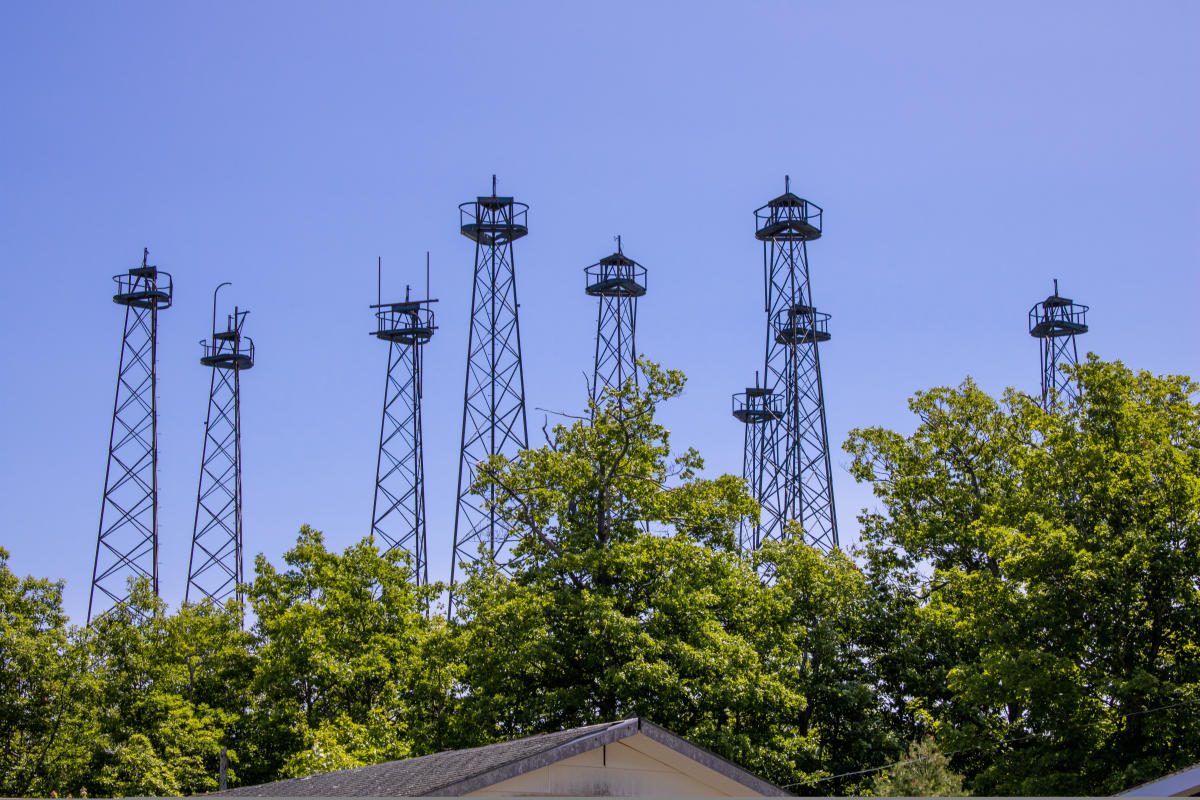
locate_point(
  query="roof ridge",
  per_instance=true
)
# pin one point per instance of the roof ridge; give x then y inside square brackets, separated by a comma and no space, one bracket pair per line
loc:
[583,732]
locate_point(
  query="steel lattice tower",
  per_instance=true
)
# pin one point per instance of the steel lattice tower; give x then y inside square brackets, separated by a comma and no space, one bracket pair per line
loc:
[215,568]
[494,396]
[398,512]
[127,542]
[1055,322]
[760,409]
[791,454]
[618,281]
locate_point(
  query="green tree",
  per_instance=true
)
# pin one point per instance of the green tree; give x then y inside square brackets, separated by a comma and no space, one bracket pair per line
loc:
[1047,564]
[44,687]
[151,675]
[342,678]
[925,772]
[627,596]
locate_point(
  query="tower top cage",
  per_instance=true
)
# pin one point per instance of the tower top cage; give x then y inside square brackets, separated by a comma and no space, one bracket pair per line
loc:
[757,404]
[801,324]
[615,276]
[410,322]
[788,217]
[493,220]
[1057,316]
[144,287]
[227,350]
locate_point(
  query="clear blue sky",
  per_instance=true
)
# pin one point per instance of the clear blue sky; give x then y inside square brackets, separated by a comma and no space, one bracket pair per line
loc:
[965,155]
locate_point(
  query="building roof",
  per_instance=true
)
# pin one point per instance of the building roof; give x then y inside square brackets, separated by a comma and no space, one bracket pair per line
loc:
[459,772]
[1183,783]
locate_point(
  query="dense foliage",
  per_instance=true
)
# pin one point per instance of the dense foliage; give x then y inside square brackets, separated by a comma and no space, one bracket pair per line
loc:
[1023,607]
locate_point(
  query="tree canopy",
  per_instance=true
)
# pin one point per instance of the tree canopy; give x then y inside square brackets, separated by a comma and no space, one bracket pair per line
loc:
[1023,606]
[1050,565]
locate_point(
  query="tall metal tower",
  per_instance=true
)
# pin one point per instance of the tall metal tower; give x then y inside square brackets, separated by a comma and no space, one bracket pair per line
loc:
[127,543]
[796,481]
[398,512]
[760,409]
[215,568]
[494,397]
[618,281]
[1055,322]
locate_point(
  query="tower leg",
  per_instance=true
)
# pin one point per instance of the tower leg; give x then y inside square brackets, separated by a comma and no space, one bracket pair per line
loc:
[398,512]
[494,421]
[127,540]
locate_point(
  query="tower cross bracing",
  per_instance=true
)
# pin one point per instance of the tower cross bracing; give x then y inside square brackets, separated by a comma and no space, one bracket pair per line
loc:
[789,459]
[398,519]
[617,281]
[494,421]
[127,541]
[216,569]
[1055,322]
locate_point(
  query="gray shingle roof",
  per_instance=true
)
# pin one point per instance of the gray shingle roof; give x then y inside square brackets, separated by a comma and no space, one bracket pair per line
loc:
[458,772]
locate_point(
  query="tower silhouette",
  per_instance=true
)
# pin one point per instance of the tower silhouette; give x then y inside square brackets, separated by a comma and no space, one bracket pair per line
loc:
[398,513]
[760,410]
[618,281]
[127,542]
[494,396]
[215,568]
[789,458]
[1055,322]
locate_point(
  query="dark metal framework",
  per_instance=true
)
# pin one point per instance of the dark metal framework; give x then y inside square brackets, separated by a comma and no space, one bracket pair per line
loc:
[127,542]
[760,409]
[787,462]
[215,566]
[494,420]
[618,281]
[1055,322]
[398,518]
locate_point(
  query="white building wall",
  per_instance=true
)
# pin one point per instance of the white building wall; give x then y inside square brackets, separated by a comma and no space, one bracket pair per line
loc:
[633,767]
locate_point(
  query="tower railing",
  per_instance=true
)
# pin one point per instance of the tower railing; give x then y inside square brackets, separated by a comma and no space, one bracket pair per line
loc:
[1057,316]
[801,324]
[757,405]
[406,323]
[493,220]
[788,217]
[615,278]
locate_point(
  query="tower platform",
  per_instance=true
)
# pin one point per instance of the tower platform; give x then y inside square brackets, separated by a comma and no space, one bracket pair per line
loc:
[616,276]
[801,324]
[141,287]
[757,404]
[410,322]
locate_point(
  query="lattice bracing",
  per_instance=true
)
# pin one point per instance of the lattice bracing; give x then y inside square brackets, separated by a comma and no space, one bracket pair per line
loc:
[796,473]
[1055,322]
[617,281]
[215,568]
[398,518]
[494,421]
[127,542]
[761,411]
